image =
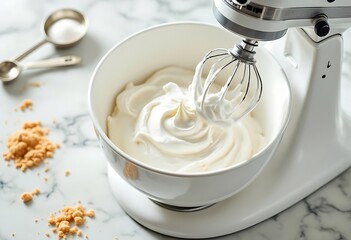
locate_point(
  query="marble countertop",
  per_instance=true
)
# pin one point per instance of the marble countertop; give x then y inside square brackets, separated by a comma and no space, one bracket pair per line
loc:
[60,103]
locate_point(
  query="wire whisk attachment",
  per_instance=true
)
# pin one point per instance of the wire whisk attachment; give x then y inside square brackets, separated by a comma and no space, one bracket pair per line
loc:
[232,87]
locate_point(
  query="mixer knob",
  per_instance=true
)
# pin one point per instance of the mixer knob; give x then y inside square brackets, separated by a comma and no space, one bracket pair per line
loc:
[321,26]
[242,2]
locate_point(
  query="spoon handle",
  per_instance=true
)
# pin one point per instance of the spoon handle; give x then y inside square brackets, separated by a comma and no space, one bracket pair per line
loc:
[53,62]
[30,50]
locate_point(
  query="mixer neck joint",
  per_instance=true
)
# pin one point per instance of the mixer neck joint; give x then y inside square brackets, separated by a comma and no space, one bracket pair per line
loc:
[245,51]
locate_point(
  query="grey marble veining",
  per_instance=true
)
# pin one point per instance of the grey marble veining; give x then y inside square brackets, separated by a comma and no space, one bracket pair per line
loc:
[61,104]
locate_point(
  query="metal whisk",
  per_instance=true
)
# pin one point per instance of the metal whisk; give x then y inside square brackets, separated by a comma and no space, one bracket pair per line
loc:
[233,85]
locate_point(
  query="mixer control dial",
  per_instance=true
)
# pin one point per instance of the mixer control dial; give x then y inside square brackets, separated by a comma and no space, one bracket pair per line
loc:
[321,26]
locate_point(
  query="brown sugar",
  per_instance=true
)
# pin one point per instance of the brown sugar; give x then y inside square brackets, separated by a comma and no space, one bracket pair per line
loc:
[28,196]
[29,146]
[78,221]
[36,191]
[90,213]
[68,221]
[26,104]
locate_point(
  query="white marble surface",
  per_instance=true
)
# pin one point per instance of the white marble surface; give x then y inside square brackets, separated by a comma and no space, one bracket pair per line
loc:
[61,104]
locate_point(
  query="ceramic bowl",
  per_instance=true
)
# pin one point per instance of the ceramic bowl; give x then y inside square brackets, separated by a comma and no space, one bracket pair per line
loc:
[184,45]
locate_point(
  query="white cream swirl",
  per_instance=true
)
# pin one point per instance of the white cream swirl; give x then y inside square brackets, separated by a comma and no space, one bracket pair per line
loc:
[156,122]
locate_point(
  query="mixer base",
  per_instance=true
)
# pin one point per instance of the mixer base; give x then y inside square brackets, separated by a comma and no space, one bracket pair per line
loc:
[281,184]
[181,209]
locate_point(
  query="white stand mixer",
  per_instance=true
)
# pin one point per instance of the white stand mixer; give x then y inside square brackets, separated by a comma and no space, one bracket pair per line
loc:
[314,148]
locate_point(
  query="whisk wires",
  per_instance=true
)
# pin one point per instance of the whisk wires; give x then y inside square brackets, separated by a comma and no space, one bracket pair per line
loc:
[233,85]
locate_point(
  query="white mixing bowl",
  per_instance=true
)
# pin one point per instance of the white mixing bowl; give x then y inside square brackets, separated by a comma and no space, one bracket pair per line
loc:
[184,45]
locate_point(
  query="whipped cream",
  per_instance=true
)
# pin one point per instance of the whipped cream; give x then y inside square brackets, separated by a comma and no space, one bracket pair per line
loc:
[156,123]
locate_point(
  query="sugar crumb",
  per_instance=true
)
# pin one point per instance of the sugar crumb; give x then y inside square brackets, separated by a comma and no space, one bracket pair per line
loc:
[67,173]
[26,197]
[90,213]
[26,104]
[36,191]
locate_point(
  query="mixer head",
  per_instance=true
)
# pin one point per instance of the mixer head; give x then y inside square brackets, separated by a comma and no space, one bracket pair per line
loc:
[227,98]
[269,19]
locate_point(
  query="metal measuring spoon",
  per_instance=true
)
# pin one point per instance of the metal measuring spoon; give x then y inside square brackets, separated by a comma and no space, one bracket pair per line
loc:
[10,70]
[63,28]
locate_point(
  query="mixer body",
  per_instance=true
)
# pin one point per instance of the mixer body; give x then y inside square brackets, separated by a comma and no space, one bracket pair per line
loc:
[310,54]
[317,126]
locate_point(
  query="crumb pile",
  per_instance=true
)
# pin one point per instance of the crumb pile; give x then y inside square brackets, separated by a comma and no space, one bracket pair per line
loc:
[29,146]
[68,221]
[26,104]
[28,196]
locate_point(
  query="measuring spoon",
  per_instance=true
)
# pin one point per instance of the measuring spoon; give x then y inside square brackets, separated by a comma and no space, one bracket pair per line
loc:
[10,70]
[63,28]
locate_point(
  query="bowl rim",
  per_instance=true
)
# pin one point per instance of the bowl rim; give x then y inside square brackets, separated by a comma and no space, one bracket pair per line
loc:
[145,166]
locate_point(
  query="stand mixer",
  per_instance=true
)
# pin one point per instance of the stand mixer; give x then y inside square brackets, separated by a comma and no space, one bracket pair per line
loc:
[314,148]
[311,56]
